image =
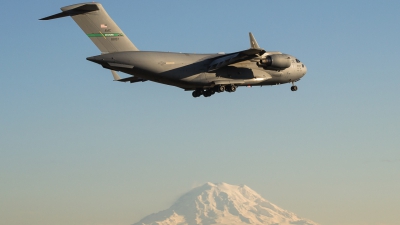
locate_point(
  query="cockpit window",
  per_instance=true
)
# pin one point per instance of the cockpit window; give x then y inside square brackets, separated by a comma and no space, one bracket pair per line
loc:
[297,60]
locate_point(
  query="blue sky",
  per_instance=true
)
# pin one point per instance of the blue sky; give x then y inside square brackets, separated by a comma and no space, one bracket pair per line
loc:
[77,148]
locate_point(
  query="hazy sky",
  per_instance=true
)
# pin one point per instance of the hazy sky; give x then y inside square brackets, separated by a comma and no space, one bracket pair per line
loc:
[78,148]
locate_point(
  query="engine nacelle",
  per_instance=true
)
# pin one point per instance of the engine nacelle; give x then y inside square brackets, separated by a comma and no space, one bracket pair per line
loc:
[276,62]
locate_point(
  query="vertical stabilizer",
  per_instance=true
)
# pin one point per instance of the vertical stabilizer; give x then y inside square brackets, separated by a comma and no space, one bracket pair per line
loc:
[93,19]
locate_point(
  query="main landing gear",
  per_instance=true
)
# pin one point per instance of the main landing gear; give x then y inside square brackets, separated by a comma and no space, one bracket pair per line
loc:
[294,87]
[211,91]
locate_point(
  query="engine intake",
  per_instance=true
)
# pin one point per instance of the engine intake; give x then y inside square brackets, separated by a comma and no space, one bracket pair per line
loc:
[277,62]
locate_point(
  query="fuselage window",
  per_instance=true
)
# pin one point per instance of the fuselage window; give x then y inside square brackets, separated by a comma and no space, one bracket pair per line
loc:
[297,60]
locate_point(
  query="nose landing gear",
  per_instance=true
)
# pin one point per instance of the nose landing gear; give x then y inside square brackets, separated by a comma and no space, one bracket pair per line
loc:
[294,87]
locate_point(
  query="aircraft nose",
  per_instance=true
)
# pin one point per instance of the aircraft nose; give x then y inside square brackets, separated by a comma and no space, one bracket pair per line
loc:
[305,69]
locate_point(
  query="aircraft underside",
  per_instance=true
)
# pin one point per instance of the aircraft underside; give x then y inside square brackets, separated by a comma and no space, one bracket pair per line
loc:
[226,80]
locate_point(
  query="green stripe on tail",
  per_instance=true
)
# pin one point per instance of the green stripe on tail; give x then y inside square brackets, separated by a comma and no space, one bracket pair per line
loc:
[105,35]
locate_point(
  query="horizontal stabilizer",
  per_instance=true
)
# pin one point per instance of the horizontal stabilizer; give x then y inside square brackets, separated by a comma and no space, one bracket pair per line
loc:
[132,79]
[115,75]
[128,79]
[82,9]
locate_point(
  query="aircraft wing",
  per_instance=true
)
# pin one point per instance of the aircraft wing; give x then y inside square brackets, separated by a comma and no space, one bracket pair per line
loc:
[225,60]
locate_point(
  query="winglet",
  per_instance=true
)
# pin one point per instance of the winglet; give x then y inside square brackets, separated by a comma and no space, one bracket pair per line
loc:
[115,75]
[253,42]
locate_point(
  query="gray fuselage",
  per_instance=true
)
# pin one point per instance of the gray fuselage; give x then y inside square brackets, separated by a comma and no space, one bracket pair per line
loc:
[206,74]
[191,71]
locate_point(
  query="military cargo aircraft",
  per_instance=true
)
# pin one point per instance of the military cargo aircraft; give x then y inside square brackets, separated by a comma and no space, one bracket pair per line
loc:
[204,74]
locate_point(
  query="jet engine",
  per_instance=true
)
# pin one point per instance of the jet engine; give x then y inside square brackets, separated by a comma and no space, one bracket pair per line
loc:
[275,62]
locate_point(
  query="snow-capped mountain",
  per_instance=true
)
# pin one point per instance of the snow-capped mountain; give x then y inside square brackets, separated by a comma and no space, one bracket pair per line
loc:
[223,204]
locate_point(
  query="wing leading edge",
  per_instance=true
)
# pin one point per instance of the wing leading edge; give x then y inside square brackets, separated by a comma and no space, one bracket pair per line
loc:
[225,60]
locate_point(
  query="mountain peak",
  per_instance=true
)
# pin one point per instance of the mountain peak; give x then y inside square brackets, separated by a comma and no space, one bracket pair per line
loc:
[222,203]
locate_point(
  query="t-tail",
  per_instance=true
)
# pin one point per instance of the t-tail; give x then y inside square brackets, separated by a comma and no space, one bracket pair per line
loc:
[93,19]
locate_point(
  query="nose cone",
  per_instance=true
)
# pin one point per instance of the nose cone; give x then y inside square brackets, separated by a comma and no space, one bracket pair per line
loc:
[304,70]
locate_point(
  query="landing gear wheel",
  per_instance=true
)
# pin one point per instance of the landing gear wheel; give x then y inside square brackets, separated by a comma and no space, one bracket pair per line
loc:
[206,93]
[196,94]
[293,88]
[221,88]
[231,88]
